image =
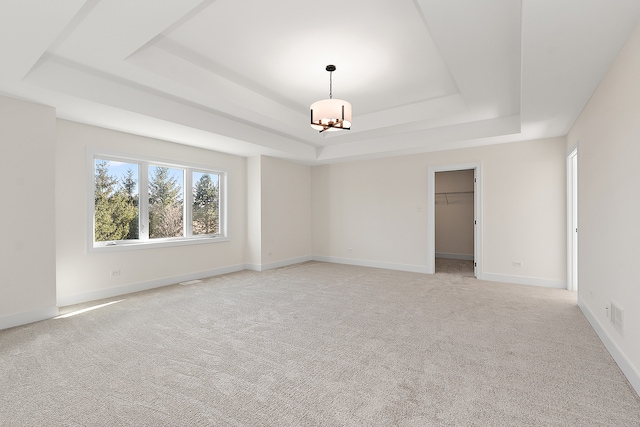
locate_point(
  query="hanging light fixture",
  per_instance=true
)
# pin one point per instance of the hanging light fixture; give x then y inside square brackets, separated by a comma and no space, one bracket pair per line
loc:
[331,114]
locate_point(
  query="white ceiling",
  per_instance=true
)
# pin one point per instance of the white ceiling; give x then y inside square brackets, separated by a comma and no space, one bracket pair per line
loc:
[238,76]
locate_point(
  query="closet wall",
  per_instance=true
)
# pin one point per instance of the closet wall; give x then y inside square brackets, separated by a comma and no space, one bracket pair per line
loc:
[454,214]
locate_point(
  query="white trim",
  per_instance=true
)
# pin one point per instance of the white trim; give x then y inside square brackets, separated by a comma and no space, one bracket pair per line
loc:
[524,280]
[454,256]
[278,264]
[143,286]
[23,318]
[431,212]
[627,368]
[571,250]
[374,264]
[159,243]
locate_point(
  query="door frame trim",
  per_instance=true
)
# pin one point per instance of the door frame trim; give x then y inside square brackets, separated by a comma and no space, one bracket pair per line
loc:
[477,208]
[572,282]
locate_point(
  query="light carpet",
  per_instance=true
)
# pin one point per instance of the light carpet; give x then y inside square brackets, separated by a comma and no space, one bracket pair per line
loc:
[318,344]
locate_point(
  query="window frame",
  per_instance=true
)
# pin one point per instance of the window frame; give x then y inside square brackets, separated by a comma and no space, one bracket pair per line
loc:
[144,242]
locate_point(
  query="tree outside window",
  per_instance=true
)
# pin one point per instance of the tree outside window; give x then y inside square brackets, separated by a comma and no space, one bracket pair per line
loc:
[166,211]
[205,203]
[116,202]
[165,202]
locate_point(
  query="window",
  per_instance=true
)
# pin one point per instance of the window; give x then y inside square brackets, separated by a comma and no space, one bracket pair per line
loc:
[166,204]
[146,202]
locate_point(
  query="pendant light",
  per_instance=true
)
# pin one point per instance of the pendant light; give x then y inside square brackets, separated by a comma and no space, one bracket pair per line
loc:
[331,114]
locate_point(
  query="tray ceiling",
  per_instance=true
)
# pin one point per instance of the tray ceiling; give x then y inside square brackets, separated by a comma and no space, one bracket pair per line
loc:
[238,76]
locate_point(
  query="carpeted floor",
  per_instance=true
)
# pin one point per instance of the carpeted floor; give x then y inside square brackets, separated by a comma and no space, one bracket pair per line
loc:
[318,344]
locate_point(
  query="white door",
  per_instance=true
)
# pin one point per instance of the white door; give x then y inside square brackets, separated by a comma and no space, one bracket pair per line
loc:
[572,221]
[475,222]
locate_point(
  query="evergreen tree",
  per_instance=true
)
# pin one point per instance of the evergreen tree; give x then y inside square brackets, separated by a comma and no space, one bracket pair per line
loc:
[163,188]
[205,206]
[113,212]
[129,188]
[165,204]
[129,184]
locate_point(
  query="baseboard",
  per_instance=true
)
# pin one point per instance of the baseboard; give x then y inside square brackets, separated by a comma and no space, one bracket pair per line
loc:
[454,256]
[25,317]
[253,267]
[278,264]
[522,280]
[143,286]
[627,368]
[374,264]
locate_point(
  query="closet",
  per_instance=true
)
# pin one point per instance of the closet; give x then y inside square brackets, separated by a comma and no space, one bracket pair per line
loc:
[454,214]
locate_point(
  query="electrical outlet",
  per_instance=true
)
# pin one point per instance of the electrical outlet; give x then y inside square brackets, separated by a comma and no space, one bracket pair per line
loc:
[517,263]
[114,273]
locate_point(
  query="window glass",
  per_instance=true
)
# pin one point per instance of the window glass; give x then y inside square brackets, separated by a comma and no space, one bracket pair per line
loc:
[206,216]
[138,202]
[116,200]
[166,207]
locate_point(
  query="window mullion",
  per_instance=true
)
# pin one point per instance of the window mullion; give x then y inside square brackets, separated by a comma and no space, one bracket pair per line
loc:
[188,202]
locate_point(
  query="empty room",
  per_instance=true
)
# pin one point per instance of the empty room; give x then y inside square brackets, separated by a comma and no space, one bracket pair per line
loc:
[382,213]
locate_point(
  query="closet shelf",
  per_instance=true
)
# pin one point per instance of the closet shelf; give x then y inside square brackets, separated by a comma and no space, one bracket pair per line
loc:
[446,193]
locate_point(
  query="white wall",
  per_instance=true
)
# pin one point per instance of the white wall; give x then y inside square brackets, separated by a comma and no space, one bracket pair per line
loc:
[27,253]
[373,212]
[608,137]
[284,205]
[454,214]
[254,213]
[82,275]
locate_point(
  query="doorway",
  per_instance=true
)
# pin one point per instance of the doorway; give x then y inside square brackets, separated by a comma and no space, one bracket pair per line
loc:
[572,220]
[460,193]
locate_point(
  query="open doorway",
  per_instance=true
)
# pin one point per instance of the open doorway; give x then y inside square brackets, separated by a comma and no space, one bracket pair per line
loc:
[454,216]
[455,192]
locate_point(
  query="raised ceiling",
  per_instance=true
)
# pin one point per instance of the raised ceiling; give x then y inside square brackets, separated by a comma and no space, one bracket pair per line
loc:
[238,76]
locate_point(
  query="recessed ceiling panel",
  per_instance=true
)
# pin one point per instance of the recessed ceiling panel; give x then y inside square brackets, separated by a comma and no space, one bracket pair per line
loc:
[384,55]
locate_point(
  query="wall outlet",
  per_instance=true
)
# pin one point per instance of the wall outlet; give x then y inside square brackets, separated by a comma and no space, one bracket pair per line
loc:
[517,263]
[114,273]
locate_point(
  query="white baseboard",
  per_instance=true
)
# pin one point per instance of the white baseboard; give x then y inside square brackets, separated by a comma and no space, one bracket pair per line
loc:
[253,267]
[143,286]
[31,316]
[627,368]
[374,264]
[278,264]
[454,256]
[522,280]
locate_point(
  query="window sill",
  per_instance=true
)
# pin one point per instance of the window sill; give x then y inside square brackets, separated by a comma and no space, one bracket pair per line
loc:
[159,243]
